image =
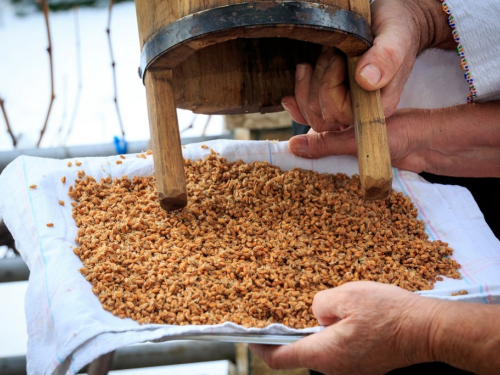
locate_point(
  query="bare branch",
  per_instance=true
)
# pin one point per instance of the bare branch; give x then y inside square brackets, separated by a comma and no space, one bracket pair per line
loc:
[206,125]
[113,64]
[9,129]
[45,8]
[191,125]
[79,73]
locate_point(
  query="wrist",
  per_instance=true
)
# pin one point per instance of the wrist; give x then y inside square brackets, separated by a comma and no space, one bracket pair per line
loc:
[466,336]
[431,23]
[419,346]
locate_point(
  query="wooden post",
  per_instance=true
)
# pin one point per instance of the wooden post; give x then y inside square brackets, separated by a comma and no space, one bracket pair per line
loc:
[101,365]
[166,141]
[374,158]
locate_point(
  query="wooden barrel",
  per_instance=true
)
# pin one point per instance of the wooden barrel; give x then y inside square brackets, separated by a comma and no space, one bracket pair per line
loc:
[234,56]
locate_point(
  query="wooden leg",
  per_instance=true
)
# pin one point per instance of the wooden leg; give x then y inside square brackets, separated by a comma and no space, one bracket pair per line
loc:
[101,365]
[374,159]
[166,141]
[259,367]
[242,359]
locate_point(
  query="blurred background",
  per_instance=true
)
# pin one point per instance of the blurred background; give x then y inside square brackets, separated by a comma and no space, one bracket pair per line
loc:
[69,87]
[83,111]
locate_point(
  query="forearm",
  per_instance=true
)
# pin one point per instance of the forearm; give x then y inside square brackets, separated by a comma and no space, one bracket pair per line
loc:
[461,141]
[467,336]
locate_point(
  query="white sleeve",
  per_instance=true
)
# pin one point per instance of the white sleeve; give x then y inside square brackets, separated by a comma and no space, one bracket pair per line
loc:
[476,28]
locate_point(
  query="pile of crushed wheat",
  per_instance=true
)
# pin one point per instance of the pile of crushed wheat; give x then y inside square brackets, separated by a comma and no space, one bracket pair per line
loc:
[253,246]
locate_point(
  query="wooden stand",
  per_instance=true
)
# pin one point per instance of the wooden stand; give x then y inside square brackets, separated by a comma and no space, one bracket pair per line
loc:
[232,57]
[374,159]
[375,170]
[166,141]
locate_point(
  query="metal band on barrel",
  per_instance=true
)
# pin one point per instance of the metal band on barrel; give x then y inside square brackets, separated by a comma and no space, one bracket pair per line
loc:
[264,13]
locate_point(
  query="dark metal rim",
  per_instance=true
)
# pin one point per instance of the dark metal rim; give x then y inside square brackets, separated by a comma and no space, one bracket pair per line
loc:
[292,13]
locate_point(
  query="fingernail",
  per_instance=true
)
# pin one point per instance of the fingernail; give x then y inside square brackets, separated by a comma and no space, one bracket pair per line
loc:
[299,145]
[301,72]
[371,74]
[285,105]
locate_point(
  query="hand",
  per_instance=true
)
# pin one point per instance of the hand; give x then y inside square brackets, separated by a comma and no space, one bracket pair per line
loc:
[403,29]
[461,141]
[371,328]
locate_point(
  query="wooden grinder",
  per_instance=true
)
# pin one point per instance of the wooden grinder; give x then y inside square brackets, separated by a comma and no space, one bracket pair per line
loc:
[233,56]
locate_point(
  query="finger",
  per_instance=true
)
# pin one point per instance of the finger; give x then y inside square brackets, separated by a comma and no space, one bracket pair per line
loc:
[311,352]
[379,65]
[302,87]
[408,134]
[291,106]
[318,145]
[332,305]
[391,93]
[334,97]
[303,78]
[328,306]
[321,67]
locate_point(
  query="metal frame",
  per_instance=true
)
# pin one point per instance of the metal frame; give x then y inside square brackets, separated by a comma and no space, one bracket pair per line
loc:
[268,13]
[141,356]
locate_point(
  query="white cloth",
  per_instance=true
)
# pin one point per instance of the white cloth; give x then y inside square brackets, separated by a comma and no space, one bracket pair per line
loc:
[436,81]
[67,326]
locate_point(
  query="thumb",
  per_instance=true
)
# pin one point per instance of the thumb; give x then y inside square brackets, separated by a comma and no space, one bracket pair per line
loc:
[379,65]
[318,145]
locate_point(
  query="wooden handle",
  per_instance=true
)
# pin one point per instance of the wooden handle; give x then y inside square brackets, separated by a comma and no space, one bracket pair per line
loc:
[374,159]
[166,141]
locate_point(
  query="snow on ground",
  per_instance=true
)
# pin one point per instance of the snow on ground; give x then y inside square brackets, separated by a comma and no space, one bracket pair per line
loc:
[25,82]
[14,337]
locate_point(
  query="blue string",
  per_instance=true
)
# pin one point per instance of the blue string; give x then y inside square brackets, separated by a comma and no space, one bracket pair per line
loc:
[121,145]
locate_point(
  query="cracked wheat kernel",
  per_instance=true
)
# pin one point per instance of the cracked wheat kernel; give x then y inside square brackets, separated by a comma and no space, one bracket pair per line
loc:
[253,245]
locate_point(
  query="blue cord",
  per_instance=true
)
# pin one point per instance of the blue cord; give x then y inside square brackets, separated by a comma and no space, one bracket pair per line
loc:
[120,145]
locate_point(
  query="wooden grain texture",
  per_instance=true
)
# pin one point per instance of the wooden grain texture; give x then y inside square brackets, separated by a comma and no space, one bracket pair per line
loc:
[245,70]
[374,159]
[347,43]
[165,139]
[361,7]
[241,76]
[154,14]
